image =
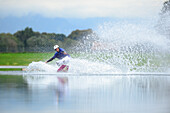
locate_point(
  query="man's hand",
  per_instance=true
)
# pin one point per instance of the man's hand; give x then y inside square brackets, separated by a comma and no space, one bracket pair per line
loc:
[58,63]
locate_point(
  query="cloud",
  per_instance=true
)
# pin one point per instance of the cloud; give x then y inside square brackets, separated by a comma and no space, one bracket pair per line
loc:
[81,8]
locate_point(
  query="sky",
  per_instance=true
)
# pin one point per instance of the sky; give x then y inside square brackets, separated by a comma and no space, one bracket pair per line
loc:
[81,8]
[64,16]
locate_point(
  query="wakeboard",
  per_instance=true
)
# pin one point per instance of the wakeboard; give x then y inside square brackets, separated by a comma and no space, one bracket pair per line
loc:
[63,68]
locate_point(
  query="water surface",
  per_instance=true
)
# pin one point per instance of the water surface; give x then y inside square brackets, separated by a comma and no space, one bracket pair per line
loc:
[85,93]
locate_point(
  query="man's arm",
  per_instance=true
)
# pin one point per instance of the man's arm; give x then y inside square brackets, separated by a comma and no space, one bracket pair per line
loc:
[50,60]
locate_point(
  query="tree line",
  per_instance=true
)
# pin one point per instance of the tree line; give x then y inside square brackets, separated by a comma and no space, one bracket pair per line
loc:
[28,40]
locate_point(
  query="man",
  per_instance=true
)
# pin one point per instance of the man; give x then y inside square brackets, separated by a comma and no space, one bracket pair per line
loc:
[63,57]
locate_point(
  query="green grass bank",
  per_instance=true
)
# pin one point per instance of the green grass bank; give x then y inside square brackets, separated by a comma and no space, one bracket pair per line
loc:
[16,59]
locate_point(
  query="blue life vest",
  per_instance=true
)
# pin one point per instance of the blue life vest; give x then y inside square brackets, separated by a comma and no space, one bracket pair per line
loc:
[60,54]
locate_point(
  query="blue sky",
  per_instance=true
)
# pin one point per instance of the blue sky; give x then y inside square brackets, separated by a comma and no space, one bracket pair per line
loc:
[73,14]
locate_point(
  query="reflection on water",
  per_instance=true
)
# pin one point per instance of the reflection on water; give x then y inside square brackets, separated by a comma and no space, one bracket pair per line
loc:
[87,94]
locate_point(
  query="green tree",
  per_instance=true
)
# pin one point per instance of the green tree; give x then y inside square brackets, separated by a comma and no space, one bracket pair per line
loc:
[41,43]
[9,43]
[24,35]
[57,37]
[79,34]
[60,37]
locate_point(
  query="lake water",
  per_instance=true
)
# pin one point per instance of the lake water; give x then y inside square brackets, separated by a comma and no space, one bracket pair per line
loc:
[90,93]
